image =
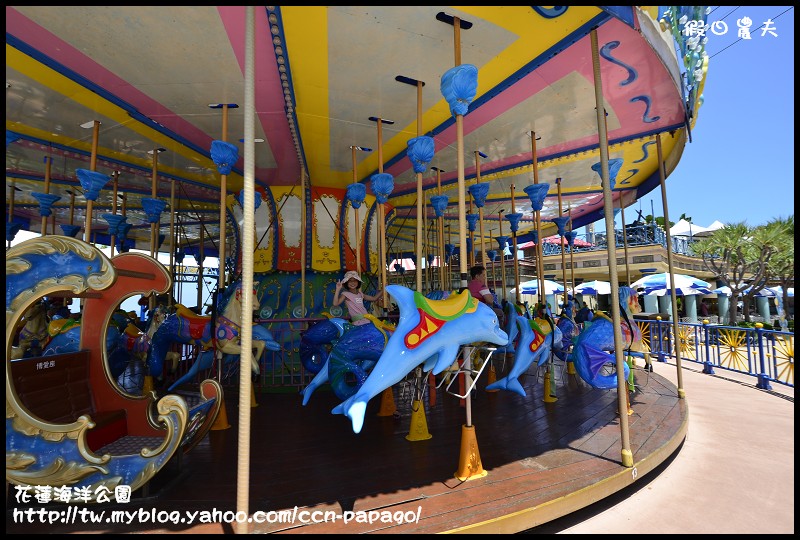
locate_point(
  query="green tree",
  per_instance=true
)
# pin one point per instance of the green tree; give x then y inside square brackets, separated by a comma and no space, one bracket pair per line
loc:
[781,265]
[736,253]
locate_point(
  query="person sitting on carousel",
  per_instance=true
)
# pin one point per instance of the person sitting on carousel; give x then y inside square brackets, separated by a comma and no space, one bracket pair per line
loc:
[480,290]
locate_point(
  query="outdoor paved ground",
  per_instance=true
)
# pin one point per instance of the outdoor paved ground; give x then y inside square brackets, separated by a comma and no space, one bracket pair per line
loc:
[733,475]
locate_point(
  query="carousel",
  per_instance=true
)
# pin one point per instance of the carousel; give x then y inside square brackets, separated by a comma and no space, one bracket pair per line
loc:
[295,144]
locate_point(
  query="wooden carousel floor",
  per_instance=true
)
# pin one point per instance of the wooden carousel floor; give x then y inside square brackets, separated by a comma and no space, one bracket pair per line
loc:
[544,460]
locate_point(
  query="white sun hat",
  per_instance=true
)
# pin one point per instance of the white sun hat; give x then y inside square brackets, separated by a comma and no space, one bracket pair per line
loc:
[352,274]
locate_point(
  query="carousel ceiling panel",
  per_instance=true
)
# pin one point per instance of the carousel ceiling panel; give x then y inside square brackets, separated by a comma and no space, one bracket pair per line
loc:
[149,74]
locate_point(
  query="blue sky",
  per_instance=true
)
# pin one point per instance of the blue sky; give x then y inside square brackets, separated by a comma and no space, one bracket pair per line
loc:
[740,163]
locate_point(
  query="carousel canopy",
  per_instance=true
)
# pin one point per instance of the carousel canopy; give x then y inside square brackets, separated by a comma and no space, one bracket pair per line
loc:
[140,93]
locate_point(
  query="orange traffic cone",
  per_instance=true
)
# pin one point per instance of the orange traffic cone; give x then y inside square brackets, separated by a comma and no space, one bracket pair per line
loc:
[491,377]
[388,408]
[418,430]
[253,402]
[469,459]
[222,418]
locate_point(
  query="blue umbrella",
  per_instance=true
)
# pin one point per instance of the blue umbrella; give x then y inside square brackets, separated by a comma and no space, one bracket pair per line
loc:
[660,285]
[532,287]
[594,288]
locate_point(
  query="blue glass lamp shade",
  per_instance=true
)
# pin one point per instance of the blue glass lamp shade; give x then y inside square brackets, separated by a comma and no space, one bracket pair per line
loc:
[491,254]
[571,235]
[537,193]
[161,238]
[224,155]
[70,230]
[11,230]
[439,203]
[561,223]
[179,255]
[420,152]
[381,185]
[153,208]
[535,237]
[414,258]
[123,229]
[449,249]
[502,242]
[614,165]
[10,138]
[46,201]
[92,182]
[469,245]
[513,219]
[399,268]
[114,221]
[459,86]
[472,221]
[479,193]
[256,199]
[430,259]
[356,193]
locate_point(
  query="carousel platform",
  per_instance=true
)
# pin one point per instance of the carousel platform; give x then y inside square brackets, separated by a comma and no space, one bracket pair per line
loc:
[543,461]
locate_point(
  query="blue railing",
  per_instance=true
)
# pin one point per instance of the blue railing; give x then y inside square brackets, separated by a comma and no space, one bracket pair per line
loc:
[638,235]
[767,355]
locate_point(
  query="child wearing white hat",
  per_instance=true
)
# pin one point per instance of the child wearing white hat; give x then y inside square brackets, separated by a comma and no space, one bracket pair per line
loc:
[353,297]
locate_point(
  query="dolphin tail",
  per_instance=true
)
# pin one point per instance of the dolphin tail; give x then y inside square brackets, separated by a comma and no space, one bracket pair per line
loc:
[513,385]
[354,408]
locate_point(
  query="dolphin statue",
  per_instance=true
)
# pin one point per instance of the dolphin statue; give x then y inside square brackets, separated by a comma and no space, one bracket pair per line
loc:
[536,340]
[206,358]
[429,331]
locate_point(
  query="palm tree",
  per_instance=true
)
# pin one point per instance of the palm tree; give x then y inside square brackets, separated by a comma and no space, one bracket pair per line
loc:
[781,265]
[737,252]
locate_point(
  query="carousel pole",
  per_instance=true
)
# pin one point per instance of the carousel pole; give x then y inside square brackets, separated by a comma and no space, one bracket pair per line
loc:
[171,241]
[248,241]
[622,390]
[571,242]
[420,152]
[154,224]
[673,296]
[303,245]
[625,241]
[514,253]
[46,200]
[423,152]
[539,239]
[382,187]
[47,168]
[502,254]
[356,201]
[87,227]
[201,282]
[114,209]
[440,222]
[478,155]
[11,228]
[561,237]
[223,200]
[470,465]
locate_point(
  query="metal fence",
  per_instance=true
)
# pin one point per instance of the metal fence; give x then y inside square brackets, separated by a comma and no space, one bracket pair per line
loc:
[767,355]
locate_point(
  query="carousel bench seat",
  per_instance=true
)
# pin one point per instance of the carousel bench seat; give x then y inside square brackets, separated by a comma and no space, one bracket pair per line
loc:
[56,389]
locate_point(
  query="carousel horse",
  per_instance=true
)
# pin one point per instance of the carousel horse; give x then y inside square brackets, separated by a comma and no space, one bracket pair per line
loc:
[537,339]
[184,326]
[33,334]
[351,358]
[593,348]
[429,332]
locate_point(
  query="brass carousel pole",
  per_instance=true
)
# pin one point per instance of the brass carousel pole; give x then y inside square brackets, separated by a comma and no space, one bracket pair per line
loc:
[223,202]
[114,209]
[622,390]
[673,296]
[514,254]
[563,256]
[625,241]
[358,223]
[539,239]
[502,255]
[571,249]
[440,223]
[11,207]
[171,241]
[87,227]
[154,226]
[47,168]
[381,214]
[478,155]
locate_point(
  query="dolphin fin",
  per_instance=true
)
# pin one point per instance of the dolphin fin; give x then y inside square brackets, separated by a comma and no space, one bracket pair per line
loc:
[447,354]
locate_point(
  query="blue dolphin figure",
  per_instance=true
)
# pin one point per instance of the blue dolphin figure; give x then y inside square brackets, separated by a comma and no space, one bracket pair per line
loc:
[429,331]
[535,343]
